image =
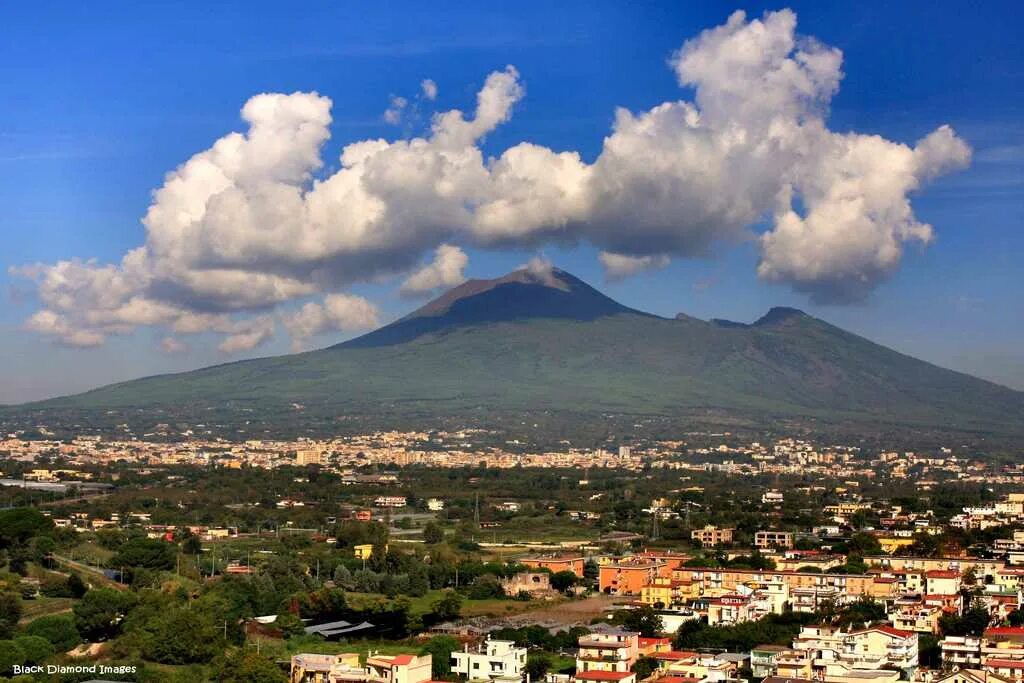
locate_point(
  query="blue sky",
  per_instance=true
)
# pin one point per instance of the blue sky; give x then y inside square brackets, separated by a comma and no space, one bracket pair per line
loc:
[102,101]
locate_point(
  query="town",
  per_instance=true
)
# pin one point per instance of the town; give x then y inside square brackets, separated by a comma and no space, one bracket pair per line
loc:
[424,556]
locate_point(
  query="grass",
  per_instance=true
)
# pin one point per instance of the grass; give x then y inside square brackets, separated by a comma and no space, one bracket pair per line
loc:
[470,608]
[283,649]
[43,606]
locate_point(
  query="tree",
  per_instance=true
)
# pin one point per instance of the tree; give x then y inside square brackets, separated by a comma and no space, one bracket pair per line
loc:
[644,620]
[10,613]
[58,629]
[537,665]
[440,649]
[644,667]
[419,581]
[148,553]
[36,649]
[342,577]
[972,622]
[240,666]
[192,545]
[19,525]
[289,624]
[432,533]
[10,654]
[99,613]
[447,607]
[486,587]
[863,611]
[181,636]
[76,587]
[563,580]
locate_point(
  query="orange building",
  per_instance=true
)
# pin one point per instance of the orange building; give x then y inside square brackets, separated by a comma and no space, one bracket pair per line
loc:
[556,563]
[629,575]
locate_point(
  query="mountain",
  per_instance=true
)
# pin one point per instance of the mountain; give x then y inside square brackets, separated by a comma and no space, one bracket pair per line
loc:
[547,341]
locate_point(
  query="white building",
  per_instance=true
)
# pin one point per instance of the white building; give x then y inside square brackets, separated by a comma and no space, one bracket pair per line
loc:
[435,504]
[495,660]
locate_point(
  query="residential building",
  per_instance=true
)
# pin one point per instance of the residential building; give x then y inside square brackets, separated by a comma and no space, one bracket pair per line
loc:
[763,660]
[628,576]
[494,660]
[556,563]
[711,536]
[612,650]
[399,668]
[317,668]
[768,540]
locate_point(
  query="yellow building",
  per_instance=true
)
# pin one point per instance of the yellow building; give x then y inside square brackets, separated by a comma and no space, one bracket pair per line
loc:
[364,551]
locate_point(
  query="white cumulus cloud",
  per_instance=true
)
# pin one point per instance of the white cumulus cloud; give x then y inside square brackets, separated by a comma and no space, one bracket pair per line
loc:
[172,345]
[338,312]
[253,222]
[429,89]
[621,266]
[444,271]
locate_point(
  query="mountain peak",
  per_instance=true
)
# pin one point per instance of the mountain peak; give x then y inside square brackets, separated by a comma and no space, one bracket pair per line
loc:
[531,275]
[779,315]
[534,291]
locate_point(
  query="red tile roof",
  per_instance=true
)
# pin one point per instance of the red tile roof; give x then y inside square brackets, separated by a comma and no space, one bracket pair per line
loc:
[1004,631]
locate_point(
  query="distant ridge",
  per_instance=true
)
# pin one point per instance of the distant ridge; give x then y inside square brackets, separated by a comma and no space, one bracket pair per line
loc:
[544,340]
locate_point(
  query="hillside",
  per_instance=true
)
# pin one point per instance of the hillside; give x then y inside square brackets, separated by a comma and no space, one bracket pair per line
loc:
[529,342]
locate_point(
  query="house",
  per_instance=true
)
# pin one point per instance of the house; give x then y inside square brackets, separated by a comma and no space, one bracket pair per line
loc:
[942,581]
[494,660]
[390,501]
[763,660]
[398,668]
[317,668]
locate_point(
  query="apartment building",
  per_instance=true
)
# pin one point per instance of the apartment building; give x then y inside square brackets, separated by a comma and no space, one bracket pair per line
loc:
[876,648]
[711,536]
[556,563]
[769,540]
[628,576]
[494,660]
[999,651]
[612,650]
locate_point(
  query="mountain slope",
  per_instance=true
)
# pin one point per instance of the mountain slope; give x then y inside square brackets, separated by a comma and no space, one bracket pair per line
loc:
[549,341]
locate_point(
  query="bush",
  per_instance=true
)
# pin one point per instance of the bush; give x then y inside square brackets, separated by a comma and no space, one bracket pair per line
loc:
[181,636]
[36,649]
[10,654]
[58,630]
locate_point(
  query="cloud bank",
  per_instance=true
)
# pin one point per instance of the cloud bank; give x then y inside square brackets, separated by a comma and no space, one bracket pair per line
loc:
[252,224]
